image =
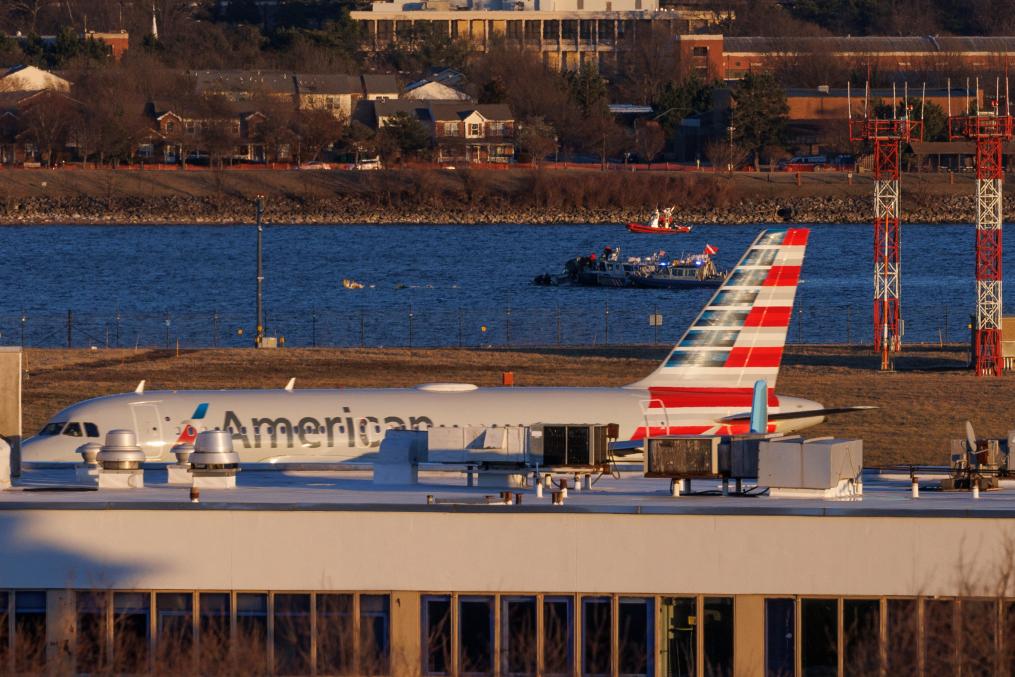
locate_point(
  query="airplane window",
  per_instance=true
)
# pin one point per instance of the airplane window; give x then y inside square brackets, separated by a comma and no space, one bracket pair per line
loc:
[341,428]
[91,430]
[271,431]
[53,428]
[320,430]
[73,429]
[243,430]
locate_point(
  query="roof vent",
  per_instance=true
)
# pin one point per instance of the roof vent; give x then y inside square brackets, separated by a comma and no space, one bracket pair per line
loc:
[88,470]
[120,460]
[179,473]
[214,464]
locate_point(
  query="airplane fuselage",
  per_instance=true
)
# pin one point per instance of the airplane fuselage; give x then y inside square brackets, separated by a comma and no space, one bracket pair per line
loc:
[348,424]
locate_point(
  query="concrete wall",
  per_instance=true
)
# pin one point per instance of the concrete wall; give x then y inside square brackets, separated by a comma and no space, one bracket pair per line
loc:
[424,550]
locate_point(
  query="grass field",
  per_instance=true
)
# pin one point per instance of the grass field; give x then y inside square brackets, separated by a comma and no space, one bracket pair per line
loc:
[921,406]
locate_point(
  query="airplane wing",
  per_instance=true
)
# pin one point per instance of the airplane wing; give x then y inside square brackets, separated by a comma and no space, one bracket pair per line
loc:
[790,415]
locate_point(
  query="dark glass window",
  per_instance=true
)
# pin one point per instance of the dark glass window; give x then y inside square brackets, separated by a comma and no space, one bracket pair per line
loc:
[131,613]
[292,634]
[903,633]
[680,628]
[819,632]
[558,635]
[475,635]
[29,630]
[90,647]
[174,629]
[213,622]
[73,429]
[939,636]
[635,636]
[437,635]
[91,430]
[335,634]
[375,633]
[597,635]
[53,428]
[979,632]
[252,624]
[779,644]
[861,632]
[518,635]
[717,626]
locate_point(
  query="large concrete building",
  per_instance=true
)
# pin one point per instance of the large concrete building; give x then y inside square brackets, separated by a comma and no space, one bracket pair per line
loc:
[567,33]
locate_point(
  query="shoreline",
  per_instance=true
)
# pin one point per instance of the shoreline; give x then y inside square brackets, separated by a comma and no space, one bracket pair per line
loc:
[470,197]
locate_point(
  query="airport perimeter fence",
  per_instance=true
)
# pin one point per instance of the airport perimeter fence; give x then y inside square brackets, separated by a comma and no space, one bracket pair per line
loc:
[444,327]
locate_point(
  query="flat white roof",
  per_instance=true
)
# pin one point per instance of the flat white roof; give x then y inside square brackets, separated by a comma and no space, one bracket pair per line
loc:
[885,495]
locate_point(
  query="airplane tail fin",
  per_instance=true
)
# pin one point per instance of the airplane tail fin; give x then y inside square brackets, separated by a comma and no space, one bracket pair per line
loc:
[738,338]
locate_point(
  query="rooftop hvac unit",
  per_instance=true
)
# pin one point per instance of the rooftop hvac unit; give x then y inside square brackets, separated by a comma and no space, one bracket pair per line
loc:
[573,444]
[683,457]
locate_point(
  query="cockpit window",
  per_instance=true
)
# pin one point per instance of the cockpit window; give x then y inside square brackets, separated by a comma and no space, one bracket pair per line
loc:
[53,428]
[91,430]
[73,429]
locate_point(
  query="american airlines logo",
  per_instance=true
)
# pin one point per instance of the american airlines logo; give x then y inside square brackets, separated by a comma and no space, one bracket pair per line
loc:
[313,433]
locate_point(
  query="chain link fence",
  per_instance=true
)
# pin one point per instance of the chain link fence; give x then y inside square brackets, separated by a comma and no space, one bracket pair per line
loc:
[413,326]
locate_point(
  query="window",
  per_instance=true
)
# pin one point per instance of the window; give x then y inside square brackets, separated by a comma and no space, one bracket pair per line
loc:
[90,647]
[29,630]
[558,635]
[91,430]
[717,626]
[518,635]
[939,635]
[130,631]
[174,630]
[903,632]
[451,129]
[292,634]
[475,130]
[597,635]
[252,619]
[475,635]
[73,429]
[699,51]
[819,632]
[375,633]
[861,620]
[780,657]
[334,634]
[53,428]
[635,633]
[680,636]
[436,635]
[979,621]
[213,628]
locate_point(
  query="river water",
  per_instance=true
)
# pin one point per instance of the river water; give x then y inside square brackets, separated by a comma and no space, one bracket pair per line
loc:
[433,285]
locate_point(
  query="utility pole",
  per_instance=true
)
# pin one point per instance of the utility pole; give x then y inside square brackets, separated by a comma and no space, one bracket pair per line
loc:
[259,336]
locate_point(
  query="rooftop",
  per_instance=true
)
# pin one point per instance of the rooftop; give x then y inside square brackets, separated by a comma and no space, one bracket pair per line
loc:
[871,43]
[886,494]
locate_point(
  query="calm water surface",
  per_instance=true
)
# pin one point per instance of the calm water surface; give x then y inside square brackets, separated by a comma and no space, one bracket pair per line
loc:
[432,285]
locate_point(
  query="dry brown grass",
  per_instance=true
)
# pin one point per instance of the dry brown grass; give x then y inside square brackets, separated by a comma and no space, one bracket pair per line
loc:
[922,406]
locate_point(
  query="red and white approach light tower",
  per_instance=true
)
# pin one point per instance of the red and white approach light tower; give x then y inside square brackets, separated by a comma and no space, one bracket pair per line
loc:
[886,135]
[990,129]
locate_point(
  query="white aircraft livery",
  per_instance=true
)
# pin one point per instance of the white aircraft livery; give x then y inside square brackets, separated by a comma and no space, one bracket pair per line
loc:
[705,385]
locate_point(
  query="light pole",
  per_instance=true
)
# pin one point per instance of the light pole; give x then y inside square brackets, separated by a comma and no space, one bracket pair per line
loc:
[729,165]
[259,207]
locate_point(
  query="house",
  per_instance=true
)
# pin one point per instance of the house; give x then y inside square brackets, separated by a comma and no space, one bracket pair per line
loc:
[336,93]
[179,132]
[430,90]
[244,85]
[379,86]
[31,79]
[384,110]
[464,132]
[49,138]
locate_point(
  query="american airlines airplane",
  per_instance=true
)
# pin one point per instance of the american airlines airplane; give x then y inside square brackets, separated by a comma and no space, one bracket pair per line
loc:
[704,385]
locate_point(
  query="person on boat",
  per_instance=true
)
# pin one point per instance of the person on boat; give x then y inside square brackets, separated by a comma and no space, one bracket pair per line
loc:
[668,217]
[654,221]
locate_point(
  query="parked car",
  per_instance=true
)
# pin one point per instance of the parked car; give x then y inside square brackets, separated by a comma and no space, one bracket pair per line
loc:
[369,163]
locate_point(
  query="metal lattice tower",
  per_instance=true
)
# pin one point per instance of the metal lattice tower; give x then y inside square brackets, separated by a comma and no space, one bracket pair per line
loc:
[990,130]
[886,135]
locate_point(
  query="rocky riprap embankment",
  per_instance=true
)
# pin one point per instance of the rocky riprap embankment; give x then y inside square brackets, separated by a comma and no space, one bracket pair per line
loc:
[357,209]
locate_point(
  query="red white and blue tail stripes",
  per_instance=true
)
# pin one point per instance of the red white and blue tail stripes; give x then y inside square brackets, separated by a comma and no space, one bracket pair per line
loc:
[739,336]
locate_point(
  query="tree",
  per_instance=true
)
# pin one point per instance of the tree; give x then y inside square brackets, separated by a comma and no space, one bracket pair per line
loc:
[935,122]
[651,61]
[536,138]
[315,130]
[723,155]
[759,113]
[649,140]
[588,90]
[47,122]
[404,135]
[679,100]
